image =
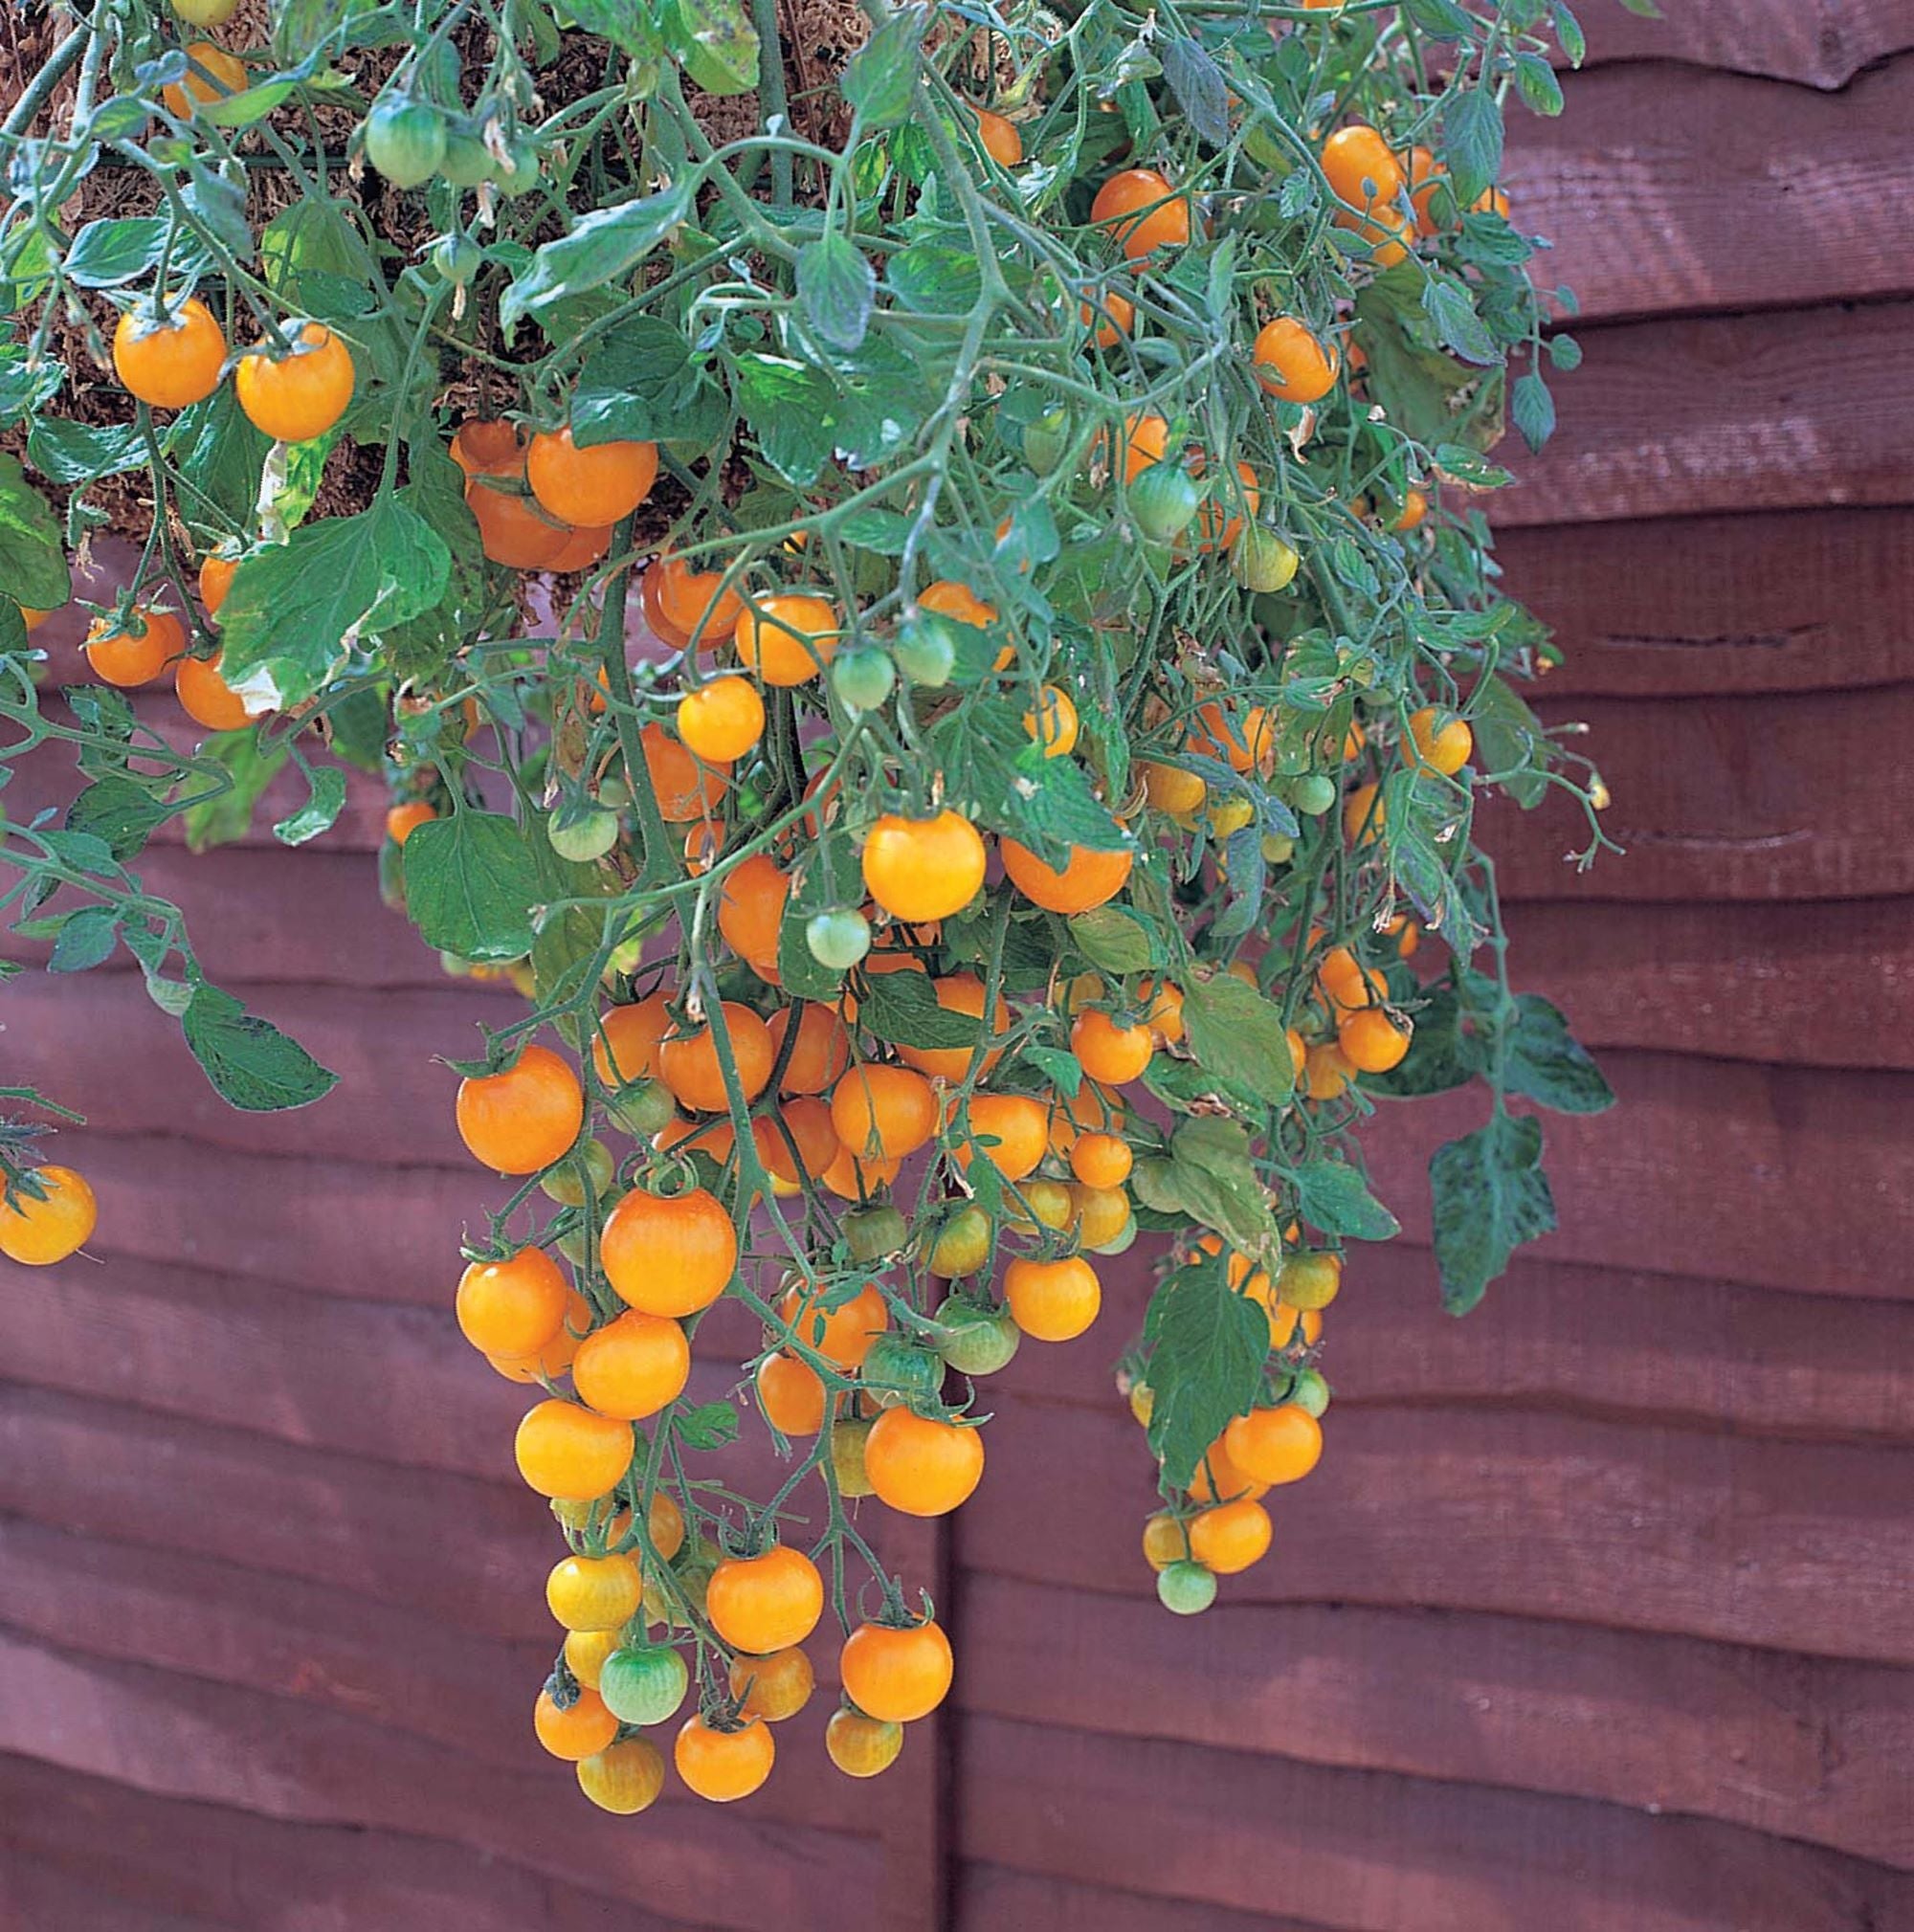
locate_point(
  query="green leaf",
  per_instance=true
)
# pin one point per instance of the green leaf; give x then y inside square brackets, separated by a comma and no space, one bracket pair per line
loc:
[638,386]
[325,801]
[252,1065]
[1547,1064]
[65,451]
[1471,137]
[1213,1179]
[1440,1055]
[106,254]
[1206,1366]
[836,286]
[716,41]
[1197,83]
[218,457]
[626,23]
[1439,19]
[86,938]
[1043,803]
[931,278]
[880,78]
[1568,32]
[221,820]
[711,1425]
[1511,746]
[1532,410]
[1238,1038]
[1490,1197]
[470,882]
[1535,82]
[32,554]
[1113,939]
[901,1008]
[603,246]
[297,610]
[1332,1196]
[1458,326]
[120,811]
[789,409]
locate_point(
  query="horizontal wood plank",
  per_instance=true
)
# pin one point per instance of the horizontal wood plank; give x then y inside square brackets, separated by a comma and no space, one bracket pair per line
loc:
[1799,600]
[1371,1853]
[1670,188]
[991,1896]
[1791,409]
[1782,1744]
[1824,43]
[1619,1525]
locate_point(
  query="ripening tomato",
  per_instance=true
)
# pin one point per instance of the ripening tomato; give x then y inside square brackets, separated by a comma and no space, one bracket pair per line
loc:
[293,397]
[751,907]
[724,1766]
[884,1113]
[212,74]
[206,697]
[787,639]
[1012,1130]
[791,1395]
[513,531]
[1276,1445]
[632,1366]
[920,869]
[1219,1480]
[720,720]
[489,447]
[169,362]
[958,993]
[1053,1300]
[512,1307]
[134,653]
[1054,723]
[896,1674]
[922,1466]
[38,1233]
[624,1778]
[1112,1054]
[1170,789]
[586,1653]
[669,1254]
[685,787]
[1102,1161]
[1309,1281]
[1441,742]
[1231,1537]
[820,1052]
[1164,1540]
[862,1746]
[695,603]
[689,1065]
[1291,363]
[1374,1038]
[565,1451]
[1089,878]
[842,1335]
[774,1687]
[580,1729]
[625,1049]
[1361,168]
[765,1603]
[1143,211]
[594,1592]
[524,1118]
[588,488]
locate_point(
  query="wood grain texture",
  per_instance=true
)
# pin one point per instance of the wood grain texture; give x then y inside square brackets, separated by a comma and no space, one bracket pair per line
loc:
[1793,410]
[1801,600]
[1372,1852]
[1665,190]
[991,1897]
[1625,1524]
[1822,43]
[1667,1724]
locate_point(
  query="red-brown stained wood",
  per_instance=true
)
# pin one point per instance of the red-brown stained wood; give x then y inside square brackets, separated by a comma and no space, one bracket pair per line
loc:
[1774,412]
[1667,190]
[1373,1852]
[1818,43]
[117,1848]
[991,1896]
[1625,1524]
[1801,600]
[1755,1738]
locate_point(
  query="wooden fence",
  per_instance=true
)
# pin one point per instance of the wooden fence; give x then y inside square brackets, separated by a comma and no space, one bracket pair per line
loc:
[1597,1614]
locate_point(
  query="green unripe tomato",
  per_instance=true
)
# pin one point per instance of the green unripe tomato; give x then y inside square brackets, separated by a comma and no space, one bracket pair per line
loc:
[963,1244]
[643,1109]
[1045,440]
[468,162]
[847,1457]
[583,837]
[1121,1241]
[206,12]
[839,939]
[1186,1588]
[925,651]
[975,1338]
[1277,849]
[1163,501]
[897,1369]
[1314,794]
[614,794]
[405,140]
[873,1233]
[1309,1392]
[564,1183]
[456,258]
[644,1685]
[863,678]
[576,1245]
[1261,560]
[522,173]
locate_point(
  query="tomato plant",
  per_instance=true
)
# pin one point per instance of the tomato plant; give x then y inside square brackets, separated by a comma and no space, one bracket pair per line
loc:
[937,626]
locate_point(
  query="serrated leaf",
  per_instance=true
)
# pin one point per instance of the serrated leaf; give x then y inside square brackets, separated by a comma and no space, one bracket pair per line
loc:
[640,386]
[1204,1367]
[118,811]
[1332,1196]
[86,939]
[1238,1037]
[1440,1055]
[1458,326]
[711,1425]
[1532,410]
[1113,939]
[252,1065]
[1545,1063]
[837,287]
[32,553]
[1535,82]
[1197,83]
[1217,1183]
[1490,1195]
[880,78]
[1511,746]
[626,24]
[603,247]
[326,800]
[901,1008]
[220,820]
[65,451]
[1472,142]
[471,883]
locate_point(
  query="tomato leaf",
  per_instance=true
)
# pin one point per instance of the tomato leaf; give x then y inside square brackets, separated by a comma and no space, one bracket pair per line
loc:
[837,287]
[1547,1064]
[603,246]
[901,1008]
[252,1066]
[1198,82]
[32,555]
[1114,940]
[1472,139]
[711,1425]
[1332,1196]
[1532,410]
[66,452]
[640,386]
[120,811]
[1210,1343]
[1238,1037]
[470,882]
[1214,1178]
[881,79]
[86,939]
[324,802]
[1490,1197]
[220,820]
